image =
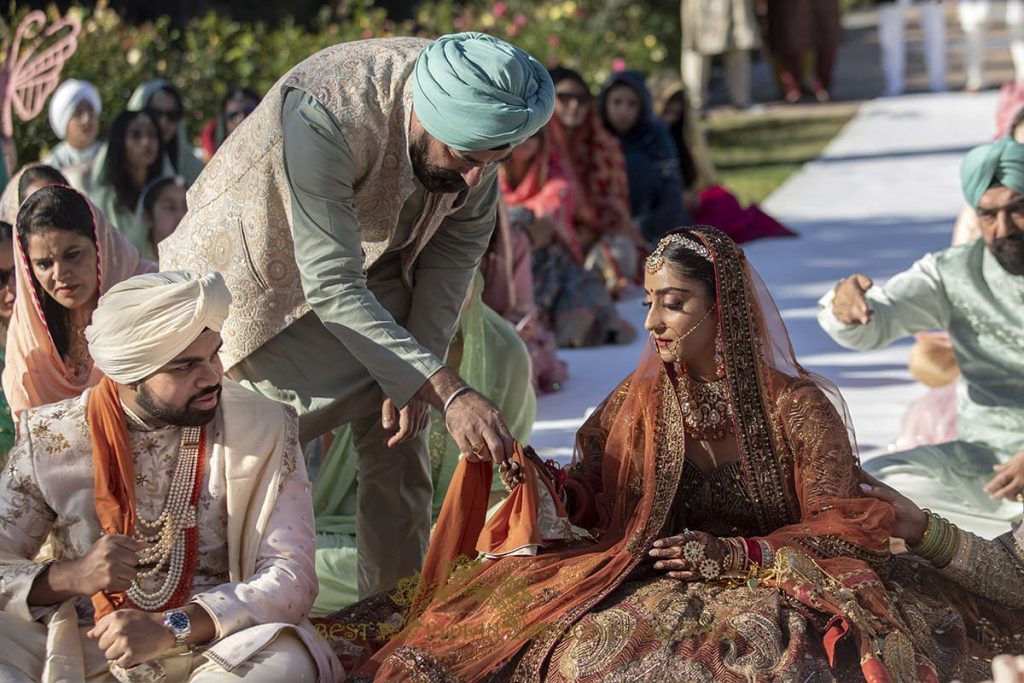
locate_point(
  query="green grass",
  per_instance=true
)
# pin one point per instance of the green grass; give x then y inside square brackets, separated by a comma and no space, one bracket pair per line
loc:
[753,155]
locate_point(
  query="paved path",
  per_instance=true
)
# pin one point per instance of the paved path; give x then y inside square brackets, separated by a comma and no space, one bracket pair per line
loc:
[883,193]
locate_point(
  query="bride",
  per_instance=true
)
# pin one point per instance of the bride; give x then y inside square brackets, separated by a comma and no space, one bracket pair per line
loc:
[718,530]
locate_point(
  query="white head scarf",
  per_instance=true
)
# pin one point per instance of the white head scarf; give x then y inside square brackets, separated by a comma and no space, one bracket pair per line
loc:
[144,322]
[65,98]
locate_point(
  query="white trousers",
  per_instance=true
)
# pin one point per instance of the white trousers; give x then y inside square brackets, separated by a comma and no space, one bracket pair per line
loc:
[285,658]
[892,19]
[975,16]
[697,74]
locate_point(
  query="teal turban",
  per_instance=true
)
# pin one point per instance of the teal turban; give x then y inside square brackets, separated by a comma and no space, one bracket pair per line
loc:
[475,92]
[998,163]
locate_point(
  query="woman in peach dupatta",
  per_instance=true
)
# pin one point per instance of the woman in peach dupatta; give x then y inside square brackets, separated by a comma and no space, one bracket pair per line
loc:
[728,538]
[59,234]
[539,193]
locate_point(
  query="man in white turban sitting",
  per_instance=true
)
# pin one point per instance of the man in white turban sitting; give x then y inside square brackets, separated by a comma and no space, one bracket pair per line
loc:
[178,507]
[349,214]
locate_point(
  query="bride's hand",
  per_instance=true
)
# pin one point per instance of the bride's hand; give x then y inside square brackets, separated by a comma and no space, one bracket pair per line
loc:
[691,556]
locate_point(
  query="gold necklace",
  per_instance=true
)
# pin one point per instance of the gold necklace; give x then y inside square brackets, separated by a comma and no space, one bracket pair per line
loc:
[707,411]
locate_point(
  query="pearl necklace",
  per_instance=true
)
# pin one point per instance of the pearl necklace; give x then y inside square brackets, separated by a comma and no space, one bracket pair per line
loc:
[172,537]
[707,411]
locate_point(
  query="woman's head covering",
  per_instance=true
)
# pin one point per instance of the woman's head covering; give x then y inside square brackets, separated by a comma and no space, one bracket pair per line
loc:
[35,373]
[997,163]
[635,81]
[475,92]
[144,322]
[65,98]
[593,155]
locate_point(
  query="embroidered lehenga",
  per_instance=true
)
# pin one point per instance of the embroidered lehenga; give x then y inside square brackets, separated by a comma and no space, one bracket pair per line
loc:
[826,600]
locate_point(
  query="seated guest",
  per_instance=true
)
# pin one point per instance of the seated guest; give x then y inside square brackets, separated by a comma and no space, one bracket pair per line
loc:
[132,159]
[163,102]
[652,164]
[178,505]
[75,118]
[708,202]
[973,292]
[7,292]
[508,291]
[540,195]
[65,257]
[234,108]
[593,157]
[163,207]
[19,187]
[36,177]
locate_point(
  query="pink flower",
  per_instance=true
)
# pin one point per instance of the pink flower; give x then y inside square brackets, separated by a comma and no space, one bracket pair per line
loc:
[618,64]
[368,33]
[512,30]
[554,40]
[499,10]
[521,20]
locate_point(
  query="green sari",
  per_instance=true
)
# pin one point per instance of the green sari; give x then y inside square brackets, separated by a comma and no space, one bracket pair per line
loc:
[492,358]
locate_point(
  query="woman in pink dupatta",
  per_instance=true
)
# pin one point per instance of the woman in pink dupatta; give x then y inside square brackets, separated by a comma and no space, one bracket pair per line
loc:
[59,234]
[541,198]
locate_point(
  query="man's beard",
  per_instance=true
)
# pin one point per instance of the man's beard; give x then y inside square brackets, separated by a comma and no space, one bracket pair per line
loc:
[434,178]
[1009,252]
[186,416]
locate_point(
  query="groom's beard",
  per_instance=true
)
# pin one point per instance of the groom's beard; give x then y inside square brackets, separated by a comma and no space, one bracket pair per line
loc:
[185,416]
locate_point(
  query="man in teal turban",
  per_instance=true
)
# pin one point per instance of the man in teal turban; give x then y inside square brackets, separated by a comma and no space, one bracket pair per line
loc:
[348,215]
[974,292]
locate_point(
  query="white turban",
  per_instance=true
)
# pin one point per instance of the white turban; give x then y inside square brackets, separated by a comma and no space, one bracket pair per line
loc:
[65,98]
[144,322]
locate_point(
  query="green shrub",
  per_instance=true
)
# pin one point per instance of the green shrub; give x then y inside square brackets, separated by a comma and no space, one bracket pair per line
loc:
[214,54]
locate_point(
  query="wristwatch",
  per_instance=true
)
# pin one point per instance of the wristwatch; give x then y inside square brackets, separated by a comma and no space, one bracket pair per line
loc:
[180,625]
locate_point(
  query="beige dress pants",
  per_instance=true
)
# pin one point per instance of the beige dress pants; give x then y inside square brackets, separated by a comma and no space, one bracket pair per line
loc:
[286,658]
[307,367]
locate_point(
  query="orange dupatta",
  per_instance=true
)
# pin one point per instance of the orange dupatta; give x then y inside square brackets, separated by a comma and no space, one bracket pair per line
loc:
[113,475]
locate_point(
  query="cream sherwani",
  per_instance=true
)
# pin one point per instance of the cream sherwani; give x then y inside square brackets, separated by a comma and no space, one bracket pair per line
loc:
[254,570]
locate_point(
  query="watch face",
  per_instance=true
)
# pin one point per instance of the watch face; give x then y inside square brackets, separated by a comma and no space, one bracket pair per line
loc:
[178,621]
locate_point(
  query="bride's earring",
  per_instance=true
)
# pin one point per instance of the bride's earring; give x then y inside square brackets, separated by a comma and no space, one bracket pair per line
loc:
[719,355]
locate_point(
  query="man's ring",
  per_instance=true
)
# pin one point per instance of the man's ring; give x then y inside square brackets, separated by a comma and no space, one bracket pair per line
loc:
[1019,497]
[478,449]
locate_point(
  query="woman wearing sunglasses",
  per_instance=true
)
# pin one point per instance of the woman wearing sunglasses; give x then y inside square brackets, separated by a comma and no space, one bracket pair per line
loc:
[164,103]
[234,108]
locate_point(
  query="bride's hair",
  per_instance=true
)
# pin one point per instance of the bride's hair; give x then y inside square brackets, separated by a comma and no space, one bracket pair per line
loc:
[689,264]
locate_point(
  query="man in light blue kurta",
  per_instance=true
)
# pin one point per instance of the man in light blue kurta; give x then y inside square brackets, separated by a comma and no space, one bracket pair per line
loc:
[976,293]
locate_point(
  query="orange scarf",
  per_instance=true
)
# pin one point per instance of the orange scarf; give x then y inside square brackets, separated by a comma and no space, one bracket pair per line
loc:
[514,525]
[114,475]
